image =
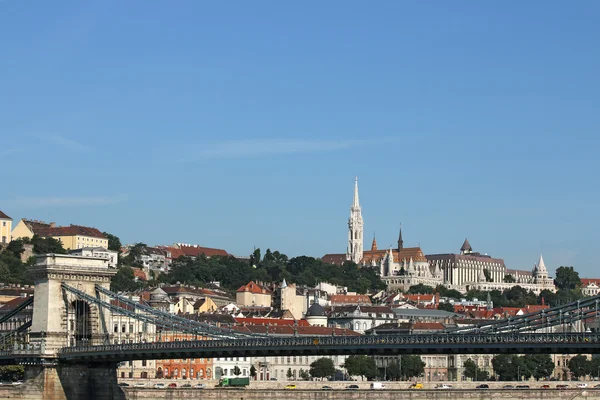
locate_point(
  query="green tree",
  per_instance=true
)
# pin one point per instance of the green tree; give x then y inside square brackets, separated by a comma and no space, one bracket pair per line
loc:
[289,373]
[124,280]
[538,365]
[361,366]
[420,289]
[114,243]
[47,245]
[474,372]
[567,278]
[237,371]
[322,368]
[253,371]
[446,307]
[412,366]
[445,292]
[579,366]
[488,276]
[12,373]
[393,371]
[508,367]
[509,279]
[304,375]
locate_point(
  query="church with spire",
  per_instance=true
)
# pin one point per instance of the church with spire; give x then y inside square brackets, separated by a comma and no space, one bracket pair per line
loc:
[399,268]
[402,267]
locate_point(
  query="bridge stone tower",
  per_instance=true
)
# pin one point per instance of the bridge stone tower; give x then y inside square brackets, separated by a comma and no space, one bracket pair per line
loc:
[59,320]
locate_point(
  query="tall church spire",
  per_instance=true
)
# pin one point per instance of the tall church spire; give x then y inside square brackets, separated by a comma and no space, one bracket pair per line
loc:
[355,229]
[355,203]
[400,241]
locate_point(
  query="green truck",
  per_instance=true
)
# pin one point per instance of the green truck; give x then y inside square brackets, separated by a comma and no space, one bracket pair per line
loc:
[233,382]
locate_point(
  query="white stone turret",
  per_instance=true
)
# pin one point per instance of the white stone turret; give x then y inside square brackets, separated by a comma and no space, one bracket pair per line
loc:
[354,251]
[481,277]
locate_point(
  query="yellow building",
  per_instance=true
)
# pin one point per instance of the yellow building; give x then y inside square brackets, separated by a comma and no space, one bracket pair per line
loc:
[72,236]
[26,228]
[253,295]
[5,228]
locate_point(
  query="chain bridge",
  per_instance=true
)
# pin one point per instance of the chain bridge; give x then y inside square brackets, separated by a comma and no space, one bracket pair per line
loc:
[74,331]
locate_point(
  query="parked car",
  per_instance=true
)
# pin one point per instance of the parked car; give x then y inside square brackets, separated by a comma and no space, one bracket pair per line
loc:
[139,384]
[582,385]
[199,386]
[483,386]
[352,387]
[186,385]
[159,386]
[416,386]
[545,386]
[172,385]
[326,388]
[290,387]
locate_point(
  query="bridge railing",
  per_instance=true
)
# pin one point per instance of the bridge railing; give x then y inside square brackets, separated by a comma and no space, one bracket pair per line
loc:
[417,340]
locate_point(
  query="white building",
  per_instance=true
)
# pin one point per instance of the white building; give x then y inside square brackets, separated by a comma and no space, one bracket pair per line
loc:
[98,252]
[224,367]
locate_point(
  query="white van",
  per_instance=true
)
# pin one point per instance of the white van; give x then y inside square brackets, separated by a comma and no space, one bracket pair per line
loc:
[377,386]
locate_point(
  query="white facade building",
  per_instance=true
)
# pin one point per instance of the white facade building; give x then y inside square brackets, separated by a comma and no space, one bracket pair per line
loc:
[98,252]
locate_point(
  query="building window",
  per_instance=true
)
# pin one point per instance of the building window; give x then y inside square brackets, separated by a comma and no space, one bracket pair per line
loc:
[144,363]
[3,239]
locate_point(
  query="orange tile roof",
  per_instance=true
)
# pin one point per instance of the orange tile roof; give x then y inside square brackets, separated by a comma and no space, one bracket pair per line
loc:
[587,281]
[252,287]
[138,273]
[428,326]
[417,298]
[377,255]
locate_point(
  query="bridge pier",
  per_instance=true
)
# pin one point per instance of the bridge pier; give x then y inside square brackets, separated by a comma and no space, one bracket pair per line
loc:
[72,382]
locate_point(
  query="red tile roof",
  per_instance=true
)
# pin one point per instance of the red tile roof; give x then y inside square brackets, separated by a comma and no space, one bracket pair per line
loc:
[253,288]
[337,299]
[271,321]
[71,230]
[4,216]
[196,251]
[14,303]
[419,298]
[138,273]
[587,281]
[428,326]
[289,330]
[376,255]
[336,259]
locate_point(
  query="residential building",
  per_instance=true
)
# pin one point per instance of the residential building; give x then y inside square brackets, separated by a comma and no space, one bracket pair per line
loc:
[253,294]
[72,237]
[590,287]
[192,293]
[26,228]
[360,318]
[290,298]
[98,252]
[5,228]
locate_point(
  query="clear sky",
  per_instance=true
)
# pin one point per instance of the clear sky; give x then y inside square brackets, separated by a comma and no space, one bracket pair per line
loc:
[240,124]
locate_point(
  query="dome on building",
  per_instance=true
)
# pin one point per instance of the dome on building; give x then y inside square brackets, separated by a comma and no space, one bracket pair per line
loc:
[315,311]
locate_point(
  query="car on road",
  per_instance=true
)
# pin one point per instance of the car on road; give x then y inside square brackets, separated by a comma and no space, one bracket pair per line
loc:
[159,386]
[508,387]
[416,386]
[16,383]
[199,386]
[483,386]
[123,384]
[326,388]
[172,385]
[522,386]
[443,386]
[562,386]
[290,387]
[582,385]
[139,384]
[187,385]
[352,387]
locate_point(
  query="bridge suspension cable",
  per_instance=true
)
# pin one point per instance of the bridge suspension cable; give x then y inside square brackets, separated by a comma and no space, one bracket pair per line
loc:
[559,315]
[185,322]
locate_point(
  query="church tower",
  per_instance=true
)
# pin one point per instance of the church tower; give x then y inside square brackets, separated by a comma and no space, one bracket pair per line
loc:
[400,241]
[355,229]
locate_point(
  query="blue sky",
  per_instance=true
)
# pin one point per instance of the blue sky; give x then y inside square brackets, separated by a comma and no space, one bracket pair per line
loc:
[243,124]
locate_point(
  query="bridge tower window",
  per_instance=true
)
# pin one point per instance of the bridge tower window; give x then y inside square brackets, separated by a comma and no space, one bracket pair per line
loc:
[83,321]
